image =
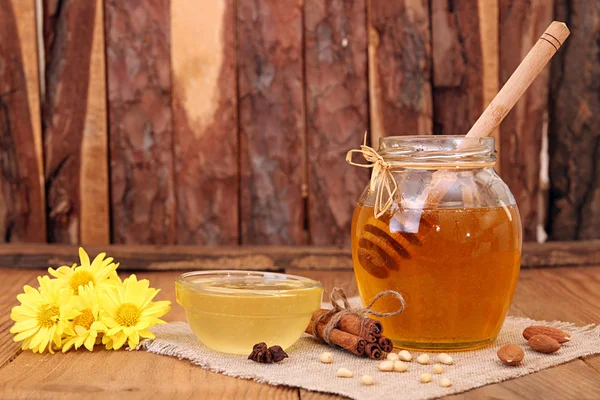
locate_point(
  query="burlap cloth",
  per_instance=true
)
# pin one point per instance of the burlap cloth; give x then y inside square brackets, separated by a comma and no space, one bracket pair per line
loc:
[302,369]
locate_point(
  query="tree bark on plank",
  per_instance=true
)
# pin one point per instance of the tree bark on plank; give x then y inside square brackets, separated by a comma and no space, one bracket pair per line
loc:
[272,126]
[203,58]
[139,107]
[22,200]
[337,113]
[574,119]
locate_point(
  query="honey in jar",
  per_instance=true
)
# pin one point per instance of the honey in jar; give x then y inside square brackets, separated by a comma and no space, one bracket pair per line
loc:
[455,262]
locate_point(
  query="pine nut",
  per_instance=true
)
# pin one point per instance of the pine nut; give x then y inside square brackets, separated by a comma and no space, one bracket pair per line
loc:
[423,359]
[445,382]
[404,355]
[367,380]
[445,359]
[386,366]
[400,366]
[326,358]
[344,373]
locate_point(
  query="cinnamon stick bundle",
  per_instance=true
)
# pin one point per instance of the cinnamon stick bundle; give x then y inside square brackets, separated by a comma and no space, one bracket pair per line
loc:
[367,328]
[352,343]
[353,330]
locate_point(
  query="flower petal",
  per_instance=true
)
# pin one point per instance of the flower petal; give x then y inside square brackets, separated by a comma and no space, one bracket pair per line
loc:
[80,330]
[18,313]
[39,337]
[133,340]
[89,342]
[146,334]
[119,341]
[26,334]
[98,326]
[24,325]
[44,343]
[67,345]
[114,331]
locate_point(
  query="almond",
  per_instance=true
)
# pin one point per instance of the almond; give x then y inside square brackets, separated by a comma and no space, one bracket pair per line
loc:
[543,344]
[511,354]
[556,334]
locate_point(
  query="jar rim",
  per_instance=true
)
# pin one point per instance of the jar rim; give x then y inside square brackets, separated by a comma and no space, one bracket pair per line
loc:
[438,151]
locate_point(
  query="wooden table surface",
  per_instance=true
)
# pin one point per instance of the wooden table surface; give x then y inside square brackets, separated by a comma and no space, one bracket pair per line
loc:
[569,294]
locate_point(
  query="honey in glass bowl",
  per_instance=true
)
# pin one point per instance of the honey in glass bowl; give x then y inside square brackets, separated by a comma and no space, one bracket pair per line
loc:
[457,263]
[231,311]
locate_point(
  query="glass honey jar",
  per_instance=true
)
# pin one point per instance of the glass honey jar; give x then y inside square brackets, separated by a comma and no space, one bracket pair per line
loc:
[438,225]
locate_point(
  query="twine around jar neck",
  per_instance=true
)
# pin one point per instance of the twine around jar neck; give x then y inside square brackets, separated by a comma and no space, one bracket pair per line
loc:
[442,152]
[382,180]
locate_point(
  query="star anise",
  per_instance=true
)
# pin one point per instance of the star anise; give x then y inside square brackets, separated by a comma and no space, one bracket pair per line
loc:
[263,354]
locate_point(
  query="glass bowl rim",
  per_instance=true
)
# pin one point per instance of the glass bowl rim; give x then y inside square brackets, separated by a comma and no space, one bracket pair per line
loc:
[307,283]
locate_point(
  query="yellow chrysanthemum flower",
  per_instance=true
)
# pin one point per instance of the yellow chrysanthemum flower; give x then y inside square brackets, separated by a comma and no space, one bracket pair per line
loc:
[43,316]
[128,311]
[99,271]
[87,325]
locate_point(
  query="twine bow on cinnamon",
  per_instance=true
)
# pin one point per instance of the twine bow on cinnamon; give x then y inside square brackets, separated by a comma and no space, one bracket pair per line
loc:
[340,310]
[382,179]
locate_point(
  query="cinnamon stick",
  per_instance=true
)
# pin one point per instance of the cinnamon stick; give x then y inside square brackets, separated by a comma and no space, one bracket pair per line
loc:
[385,344]
[345,340]
[367,328]
[372,350]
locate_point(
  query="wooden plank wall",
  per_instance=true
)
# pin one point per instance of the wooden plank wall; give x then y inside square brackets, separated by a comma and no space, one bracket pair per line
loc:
[336,113]
[522,131]
[574,120]
[22,198]
[204,103]
[465,62]
[74,122]
[227,121]
[272,121]
[400,62]
[140,121]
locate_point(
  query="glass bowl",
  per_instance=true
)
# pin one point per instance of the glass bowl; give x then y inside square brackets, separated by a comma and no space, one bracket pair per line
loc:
[231,311]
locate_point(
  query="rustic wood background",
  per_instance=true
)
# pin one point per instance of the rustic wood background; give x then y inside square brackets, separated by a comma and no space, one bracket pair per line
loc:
[227,121]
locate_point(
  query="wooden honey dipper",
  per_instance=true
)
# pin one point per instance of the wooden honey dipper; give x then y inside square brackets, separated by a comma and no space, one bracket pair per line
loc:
[379,249]
[533,63]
